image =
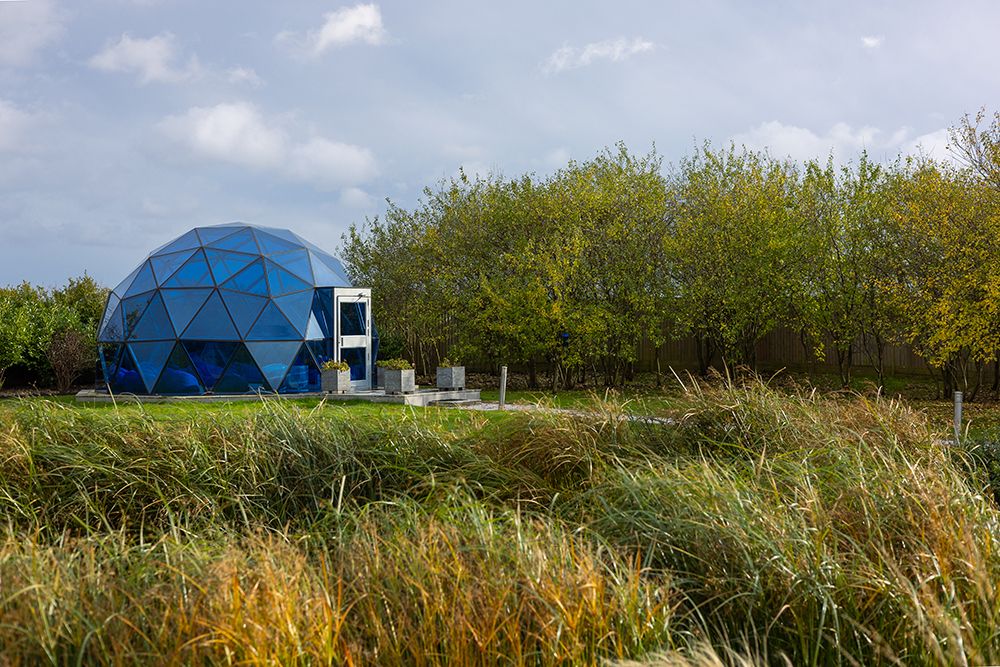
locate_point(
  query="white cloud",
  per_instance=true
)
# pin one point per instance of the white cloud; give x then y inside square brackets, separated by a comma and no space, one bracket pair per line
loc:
[244,75]
[13,123]
[152,59]
[843,140]
[239,134]
[872,41]
[356,198]
[615,50]
[360,23]
[26,27]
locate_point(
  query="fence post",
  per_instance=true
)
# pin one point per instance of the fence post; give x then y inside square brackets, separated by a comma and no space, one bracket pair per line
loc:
[503,386]
[958,416]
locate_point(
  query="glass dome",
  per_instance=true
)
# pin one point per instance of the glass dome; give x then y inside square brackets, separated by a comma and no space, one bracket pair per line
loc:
[229,309]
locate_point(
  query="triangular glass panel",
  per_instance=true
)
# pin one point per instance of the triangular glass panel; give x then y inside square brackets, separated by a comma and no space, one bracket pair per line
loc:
[150,358]
[283,282]
[250,279]
[324,276]
[296,308]
[210,358]
[242,376]
[302,375]
[110,311]
[165,265]
[143,281]
[226,263]
[212,322]
[125,284]
[243,308]
[212,234]
[273,359]
[194,273]
[132,309]
[183,303]
[313,330]
[296,262]
[186,242]
[127,378]
[282,234]
[322,350]
[271,244]
[272,325]
[109,357]
[154,323]
[179,375]
[241,241]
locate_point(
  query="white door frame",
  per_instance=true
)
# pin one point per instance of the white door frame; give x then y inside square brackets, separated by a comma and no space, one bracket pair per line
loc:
[350,295]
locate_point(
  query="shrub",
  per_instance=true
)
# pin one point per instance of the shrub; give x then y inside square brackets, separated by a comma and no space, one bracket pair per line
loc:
[333,365]
[395,364]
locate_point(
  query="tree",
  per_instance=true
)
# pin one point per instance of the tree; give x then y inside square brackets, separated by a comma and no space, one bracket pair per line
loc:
[737,250]
[70,352]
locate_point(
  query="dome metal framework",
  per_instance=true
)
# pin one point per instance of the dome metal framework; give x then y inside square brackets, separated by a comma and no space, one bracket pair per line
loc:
[234,309]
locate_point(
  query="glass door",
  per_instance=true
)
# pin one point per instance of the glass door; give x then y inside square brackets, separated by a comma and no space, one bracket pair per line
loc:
[352,309]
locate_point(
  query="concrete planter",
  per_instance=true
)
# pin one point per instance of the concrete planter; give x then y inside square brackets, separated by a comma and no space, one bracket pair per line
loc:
[399,381]
[336,382]
[451,377]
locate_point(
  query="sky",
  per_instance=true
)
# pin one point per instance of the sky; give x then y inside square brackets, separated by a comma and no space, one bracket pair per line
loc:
[124,123]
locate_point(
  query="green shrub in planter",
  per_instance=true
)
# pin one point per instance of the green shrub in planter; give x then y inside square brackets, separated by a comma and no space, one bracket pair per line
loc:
[399,376]
[335,377]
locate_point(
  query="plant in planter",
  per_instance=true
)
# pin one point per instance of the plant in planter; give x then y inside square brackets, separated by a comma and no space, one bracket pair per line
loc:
[399,376]
[335,377]
[450,375]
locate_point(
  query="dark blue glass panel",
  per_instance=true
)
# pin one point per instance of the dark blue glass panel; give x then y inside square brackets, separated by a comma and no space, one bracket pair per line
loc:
[108,355]
[244,308]
[323,310]
[194,273]
[273,359]
[111,327]
[179,375]
[272,325]
[357,359]
[241,241]
[322,350]
[125,284]
[186,242]
[127,378]
[143,281]
[212,322]
[283,282]
[165,265]
[270,244]
[296,308]
[242,376]
[210,359]
[132,309]
[212,234]
[226,263]
[313,330]
[282,234]
[250,279]
[154,323]
[353,318]
[182,304]
[150,358]
[302,376]
[296,262]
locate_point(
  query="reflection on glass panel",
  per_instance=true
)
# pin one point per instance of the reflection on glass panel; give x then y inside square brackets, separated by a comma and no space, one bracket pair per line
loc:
[352,319]
[357,359]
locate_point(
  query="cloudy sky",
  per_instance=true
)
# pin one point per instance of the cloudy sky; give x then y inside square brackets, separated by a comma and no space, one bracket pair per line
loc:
[125,122]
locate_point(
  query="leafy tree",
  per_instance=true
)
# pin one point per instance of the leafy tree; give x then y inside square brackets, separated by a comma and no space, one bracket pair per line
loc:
[737,250]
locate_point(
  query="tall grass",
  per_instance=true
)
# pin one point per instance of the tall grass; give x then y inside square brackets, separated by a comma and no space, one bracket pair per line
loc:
[762,526]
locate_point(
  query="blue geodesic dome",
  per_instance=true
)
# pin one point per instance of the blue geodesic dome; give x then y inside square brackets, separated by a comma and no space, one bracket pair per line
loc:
[227,309]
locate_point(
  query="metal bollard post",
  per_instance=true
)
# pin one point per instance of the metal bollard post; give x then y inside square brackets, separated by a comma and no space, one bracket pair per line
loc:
[503,386]
[958,416]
